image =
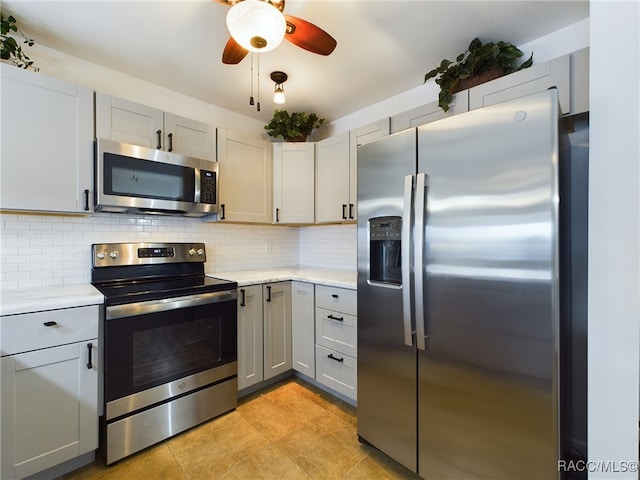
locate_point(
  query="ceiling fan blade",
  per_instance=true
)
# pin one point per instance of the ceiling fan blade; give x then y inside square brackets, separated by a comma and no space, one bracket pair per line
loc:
[233,53]
[308,36]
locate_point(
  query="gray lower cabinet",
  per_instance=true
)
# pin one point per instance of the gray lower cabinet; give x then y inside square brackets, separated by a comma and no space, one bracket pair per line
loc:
[309,328]
[336,339]
[250,336]
[277,328]
[49,395]
[264,332]
[303,328]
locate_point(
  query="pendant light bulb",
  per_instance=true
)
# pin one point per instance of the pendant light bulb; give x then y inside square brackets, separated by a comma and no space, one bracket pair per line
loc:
[256,25]
[279,78]
[278,96]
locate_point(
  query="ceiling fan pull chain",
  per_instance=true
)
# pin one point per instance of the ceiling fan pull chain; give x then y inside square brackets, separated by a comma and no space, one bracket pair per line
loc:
[251,96]
[258,81]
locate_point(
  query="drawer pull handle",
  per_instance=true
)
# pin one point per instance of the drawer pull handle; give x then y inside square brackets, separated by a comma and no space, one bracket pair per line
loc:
[268,293]
[89,360]
[50,324]
[335,358]
[334,295]
[243,303]
[339,319]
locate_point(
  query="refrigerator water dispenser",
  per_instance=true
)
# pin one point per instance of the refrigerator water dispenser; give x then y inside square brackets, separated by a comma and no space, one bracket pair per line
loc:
[384,247]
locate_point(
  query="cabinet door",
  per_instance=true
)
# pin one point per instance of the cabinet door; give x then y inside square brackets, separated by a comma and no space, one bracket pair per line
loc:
[277,328]
[49,407]
[537,78]
[128,122]
[293,182]
[372,131]
[245,178]
[332,179]
[302,327]
[189,137]
[250,336]
[430,113]
[337,370]
[46,152]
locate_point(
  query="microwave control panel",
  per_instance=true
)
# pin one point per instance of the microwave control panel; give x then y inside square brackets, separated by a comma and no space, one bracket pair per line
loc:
[207,187]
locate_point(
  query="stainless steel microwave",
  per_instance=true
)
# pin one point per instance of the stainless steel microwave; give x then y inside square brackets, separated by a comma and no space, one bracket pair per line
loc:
[133,179]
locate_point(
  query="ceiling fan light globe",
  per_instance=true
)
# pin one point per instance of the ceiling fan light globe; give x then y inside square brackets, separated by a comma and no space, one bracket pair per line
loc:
[256,25]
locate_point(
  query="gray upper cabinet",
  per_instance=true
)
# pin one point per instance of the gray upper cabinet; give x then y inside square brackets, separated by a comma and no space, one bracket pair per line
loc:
[124,121]
[246,178]
[372,131]
[430,113]
[47,144]
[537,78]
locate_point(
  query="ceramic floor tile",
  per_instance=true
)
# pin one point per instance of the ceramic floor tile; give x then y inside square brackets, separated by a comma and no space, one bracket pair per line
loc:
[210,450]
[269,463]
[156,462]
[379,467]
[279,412]
[327,448]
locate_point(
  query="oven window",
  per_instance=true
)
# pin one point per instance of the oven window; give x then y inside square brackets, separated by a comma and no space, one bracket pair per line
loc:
[132,177]
[148,350]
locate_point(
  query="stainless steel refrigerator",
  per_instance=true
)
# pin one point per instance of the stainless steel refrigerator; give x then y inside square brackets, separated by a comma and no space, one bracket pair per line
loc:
[459,293]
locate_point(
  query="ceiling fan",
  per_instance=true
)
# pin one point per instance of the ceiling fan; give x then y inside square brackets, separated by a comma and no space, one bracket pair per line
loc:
[260,26]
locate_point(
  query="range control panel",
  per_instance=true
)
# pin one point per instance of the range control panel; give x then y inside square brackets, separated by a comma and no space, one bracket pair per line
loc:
[124,254]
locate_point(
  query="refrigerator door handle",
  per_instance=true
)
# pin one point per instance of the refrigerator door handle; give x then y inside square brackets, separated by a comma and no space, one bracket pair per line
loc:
[419,208]
[405,259]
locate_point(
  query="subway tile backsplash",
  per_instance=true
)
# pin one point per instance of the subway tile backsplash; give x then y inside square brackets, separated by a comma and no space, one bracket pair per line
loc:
[45,250]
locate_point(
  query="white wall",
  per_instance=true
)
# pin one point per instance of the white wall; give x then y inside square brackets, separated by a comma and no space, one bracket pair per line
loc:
[614,238]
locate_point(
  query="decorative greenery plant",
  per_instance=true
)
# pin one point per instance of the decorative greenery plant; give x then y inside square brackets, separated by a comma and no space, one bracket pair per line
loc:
[10,49]
[292,127]
[479,64]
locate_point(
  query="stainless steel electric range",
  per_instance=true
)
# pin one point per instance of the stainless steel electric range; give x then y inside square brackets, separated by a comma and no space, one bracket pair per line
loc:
[170,342]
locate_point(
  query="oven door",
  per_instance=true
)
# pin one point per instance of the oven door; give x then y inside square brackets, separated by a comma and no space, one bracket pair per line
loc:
[161,349]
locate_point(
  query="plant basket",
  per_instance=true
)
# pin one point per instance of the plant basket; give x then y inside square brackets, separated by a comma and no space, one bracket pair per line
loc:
[494,72]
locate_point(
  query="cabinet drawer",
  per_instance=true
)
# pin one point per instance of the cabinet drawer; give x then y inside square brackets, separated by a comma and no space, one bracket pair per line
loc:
[337,331]
[22,333]
[337,299]
[336,371]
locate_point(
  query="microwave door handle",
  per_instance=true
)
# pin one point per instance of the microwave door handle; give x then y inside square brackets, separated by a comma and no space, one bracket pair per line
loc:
[405,259]
[418,266]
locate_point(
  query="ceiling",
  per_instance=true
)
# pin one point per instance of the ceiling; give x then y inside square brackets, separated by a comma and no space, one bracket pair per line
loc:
[384,47]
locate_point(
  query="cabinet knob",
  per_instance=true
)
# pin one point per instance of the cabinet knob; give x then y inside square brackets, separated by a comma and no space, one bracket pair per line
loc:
[50,324]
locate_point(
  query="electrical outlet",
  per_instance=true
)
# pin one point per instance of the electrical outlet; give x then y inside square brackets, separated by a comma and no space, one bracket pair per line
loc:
[267,246]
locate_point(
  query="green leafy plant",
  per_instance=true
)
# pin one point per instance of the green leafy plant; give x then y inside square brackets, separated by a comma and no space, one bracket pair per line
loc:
[292,127]
[479,64]
[10,48]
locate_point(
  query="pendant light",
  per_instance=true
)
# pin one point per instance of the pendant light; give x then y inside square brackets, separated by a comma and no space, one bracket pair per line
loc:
[279,78]
[256,25]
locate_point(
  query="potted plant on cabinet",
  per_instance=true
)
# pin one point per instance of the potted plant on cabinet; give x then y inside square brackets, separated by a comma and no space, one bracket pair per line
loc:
[479,64]
[294,127]
[10,50]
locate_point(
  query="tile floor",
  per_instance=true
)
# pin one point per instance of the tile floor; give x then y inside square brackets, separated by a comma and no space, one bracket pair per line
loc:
[291,430]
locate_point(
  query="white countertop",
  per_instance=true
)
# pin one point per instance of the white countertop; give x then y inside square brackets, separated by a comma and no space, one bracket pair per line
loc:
[13,302]
[38,299]
[319,276]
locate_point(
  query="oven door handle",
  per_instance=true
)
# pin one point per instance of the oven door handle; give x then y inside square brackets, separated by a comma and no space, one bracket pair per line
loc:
[164,304]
